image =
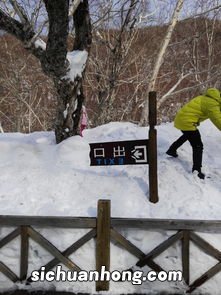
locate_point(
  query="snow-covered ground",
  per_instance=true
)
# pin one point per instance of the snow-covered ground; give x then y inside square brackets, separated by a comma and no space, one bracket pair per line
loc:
[39,177]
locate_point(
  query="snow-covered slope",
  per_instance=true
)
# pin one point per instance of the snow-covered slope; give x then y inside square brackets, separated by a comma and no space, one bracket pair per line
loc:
[39,177]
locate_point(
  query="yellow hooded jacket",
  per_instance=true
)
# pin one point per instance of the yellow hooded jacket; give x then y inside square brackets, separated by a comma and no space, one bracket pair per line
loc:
[200,108]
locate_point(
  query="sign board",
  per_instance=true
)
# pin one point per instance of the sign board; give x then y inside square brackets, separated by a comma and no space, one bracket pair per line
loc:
[131,152]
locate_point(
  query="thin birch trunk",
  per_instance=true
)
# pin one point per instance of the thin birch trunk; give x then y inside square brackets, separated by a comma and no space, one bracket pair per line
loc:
[1,129]
[159,60]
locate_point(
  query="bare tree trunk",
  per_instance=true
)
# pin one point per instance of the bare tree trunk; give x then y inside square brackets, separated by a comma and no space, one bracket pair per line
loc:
[53,56]
[160,58]
[71,92]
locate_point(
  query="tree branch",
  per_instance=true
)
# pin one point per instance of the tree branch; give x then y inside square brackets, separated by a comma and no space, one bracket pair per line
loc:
[73,7]
[202,13]
[15,28]
[171,90]
[22,32]
[82,26]
[20,12]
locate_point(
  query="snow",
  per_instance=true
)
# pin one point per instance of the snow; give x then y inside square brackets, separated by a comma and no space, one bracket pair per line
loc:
[39,43]
[65,113]
[77,61]
[41,178]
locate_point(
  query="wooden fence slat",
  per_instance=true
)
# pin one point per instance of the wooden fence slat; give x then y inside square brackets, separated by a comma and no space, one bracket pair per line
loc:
[186,256]
[90,222]
[161,248]
[152,264]
[51,221]
[103,242]
[101,226]
[10,237]
[205,246]
[167,224]
[74,247]
[24,253]
[8,272]
[38,238]
[131,248]
[205,277]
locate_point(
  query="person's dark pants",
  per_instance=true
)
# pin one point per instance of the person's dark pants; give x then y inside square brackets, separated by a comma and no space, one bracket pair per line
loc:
[194,139]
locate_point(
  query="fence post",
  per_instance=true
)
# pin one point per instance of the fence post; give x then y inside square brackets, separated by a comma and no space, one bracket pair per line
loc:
[24,253]
[152,150]
[103,242]
[186,256]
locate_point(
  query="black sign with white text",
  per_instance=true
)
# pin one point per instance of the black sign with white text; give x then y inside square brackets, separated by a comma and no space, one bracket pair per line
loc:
[133,152]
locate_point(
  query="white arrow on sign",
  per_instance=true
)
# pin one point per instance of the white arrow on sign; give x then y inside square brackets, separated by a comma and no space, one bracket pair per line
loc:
[140,154]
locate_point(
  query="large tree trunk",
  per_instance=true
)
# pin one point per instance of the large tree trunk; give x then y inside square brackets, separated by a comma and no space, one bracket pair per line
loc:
[56,62]
[70,91]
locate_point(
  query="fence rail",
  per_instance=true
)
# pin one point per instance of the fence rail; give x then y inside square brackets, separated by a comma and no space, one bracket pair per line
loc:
[91,222]
[104,229]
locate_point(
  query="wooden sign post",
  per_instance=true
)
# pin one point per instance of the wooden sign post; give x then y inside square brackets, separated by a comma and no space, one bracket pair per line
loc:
[152,151]
[132,152]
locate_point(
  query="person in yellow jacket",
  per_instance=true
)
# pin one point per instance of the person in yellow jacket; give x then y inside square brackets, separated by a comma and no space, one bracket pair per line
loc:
[200,108]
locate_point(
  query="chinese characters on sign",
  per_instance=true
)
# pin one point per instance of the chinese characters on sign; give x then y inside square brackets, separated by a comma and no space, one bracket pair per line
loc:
[119,153]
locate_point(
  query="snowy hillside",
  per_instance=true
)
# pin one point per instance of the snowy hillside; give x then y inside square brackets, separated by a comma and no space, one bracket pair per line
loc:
[39,177]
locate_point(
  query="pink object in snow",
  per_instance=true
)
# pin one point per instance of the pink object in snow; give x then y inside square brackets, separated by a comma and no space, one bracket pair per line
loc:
[83,120]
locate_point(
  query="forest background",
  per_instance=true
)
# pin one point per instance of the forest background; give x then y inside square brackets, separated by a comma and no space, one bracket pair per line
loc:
[122,56]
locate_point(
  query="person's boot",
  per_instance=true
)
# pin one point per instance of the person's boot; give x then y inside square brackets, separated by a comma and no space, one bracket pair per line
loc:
[197,161]
[172,152]
[200,174]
